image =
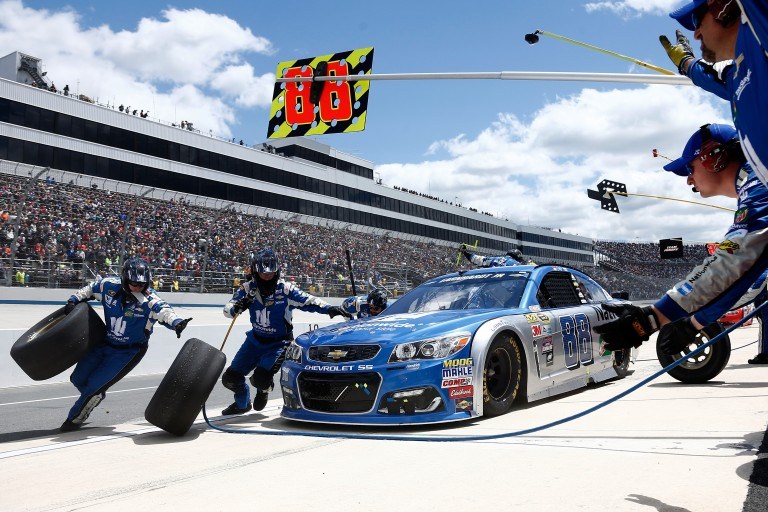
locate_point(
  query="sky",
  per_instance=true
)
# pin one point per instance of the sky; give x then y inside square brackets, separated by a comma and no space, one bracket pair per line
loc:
[526,151]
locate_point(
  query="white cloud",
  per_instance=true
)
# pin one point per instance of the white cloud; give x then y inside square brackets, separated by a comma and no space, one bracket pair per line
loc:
[540,170]
[634,8]
[185,65]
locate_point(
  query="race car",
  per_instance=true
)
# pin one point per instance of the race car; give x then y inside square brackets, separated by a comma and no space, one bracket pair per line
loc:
[456,347]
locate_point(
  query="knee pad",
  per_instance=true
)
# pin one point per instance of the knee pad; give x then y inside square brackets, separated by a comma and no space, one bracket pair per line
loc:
[233,380]
[261,378]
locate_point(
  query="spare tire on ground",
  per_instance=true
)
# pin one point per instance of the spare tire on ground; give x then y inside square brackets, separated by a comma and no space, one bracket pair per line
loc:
[58,341]
[185,387]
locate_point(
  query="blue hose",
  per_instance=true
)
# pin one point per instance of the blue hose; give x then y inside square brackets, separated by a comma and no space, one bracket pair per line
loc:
[447,439]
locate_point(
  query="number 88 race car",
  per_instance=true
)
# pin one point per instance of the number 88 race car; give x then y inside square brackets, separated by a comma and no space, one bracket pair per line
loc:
[456,347]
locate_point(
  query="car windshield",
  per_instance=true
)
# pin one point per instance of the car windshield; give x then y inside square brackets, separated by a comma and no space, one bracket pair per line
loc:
[473,291]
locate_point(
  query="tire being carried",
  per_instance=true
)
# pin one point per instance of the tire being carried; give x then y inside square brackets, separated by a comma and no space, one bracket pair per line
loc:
[185,387]
[705,366]
[58,341]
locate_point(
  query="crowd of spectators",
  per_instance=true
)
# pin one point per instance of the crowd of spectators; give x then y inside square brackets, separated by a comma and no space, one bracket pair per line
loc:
[64,223]
[74,228]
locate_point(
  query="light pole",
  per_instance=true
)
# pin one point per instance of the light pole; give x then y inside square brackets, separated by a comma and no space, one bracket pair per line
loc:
[17,220]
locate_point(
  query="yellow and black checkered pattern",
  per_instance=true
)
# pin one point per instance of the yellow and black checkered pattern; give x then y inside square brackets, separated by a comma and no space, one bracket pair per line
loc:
[358,62]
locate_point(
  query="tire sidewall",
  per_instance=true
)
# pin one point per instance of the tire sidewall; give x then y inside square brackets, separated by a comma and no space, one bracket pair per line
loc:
[495,406]
[720,354]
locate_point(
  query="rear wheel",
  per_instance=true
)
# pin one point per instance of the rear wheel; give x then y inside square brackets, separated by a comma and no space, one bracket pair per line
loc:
[621,360]
[706,365]
[502,375]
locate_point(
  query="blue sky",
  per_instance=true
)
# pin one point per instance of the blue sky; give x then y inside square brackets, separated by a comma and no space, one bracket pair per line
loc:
[523,150]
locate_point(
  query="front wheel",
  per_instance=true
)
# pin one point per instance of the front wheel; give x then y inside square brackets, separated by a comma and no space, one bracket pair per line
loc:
[502,375]
[705,366]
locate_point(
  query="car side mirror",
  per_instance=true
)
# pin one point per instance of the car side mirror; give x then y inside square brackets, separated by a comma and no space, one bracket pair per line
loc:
[620,295]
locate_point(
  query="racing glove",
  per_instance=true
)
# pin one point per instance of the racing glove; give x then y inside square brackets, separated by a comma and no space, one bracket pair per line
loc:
[676,336]
[681,53]
[634,326]
[465,252]
[180,326]
[334,311]
[69,307]
[241,305]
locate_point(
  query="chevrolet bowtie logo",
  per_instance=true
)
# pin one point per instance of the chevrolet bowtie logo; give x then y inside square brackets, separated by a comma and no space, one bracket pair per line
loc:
[337,354]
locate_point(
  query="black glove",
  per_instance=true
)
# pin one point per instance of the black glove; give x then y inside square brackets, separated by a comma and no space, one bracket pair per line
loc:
[180,327]
[241,305]
[634,326]
[334,311]
[676,336]
[680,53]
[465,252]
[69,307]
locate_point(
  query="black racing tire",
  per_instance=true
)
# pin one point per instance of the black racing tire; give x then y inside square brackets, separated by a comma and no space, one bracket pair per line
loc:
[705,366]
[185,387]
[502,375]
[58,341]
[621,360]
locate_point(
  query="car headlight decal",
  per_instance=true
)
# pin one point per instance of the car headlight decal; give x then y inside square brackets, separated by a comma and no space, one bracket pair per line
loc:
[432,348]
[293,352]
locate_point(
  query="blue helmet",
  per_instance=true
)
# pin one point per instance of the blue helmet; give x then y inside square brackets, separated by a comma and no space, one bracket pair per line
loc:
[135,270]
[265,261]
[377,298]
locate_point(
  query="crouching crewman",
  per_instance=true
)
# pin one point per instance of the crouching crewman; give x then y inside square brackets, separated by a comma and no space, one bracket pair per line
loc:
[270,302]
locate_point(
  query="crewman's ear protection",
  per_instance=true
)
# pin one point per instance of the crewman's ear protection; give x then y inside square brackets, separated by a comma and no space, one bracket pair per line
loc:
[714,155]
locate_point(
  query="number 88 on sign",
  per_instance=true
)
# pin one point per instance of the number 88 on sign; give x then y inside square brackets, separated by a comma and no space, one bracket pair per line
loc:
[316,108]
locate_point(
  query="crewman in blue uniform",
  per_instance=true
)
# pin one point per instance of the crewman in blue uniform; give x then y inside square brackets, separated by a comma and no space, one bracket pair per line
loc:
[270,301]
[363,306]
[714,165]
[131,310]
[512,258]
[734,45]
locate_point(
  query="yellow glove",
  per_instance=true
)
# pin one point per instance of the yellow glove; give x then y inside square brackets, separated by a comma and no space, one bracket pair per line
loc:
[681,53]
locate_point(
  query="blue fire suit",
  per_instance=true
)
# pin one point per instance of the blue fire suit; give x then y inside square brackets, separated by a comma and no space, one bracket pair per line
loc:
[713,287]
[494,261]
[743,82]
[129,319]
[356,306]
[272,329]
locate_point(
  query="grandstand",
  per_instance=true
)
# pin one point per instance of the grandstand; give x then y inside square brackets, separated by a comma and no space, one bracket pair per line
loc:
[85,185]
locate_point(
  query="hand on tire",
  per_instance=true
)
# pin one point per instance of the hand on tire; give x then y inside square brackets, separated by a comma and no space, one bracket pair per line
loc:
[69,307]
[676,336]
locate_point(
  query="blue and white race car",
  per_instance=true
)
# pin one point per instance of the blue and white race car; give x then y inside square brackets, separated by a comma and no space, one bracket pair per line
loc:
[456,347]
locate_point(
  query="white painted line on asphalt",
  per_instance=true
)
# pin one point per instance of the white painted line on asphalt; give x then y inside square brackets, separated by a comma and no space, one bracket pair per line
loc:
[74,396]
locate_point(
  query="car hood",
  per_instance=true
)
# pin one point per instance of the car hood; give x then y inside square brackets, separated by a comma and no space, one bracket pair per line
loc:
[402,328]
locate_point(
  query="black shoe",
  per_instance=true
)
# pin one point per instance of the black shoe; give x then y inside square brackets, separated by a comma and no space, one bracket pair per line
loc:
[234,409]
[260,401]
[759,359]
[69,426]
